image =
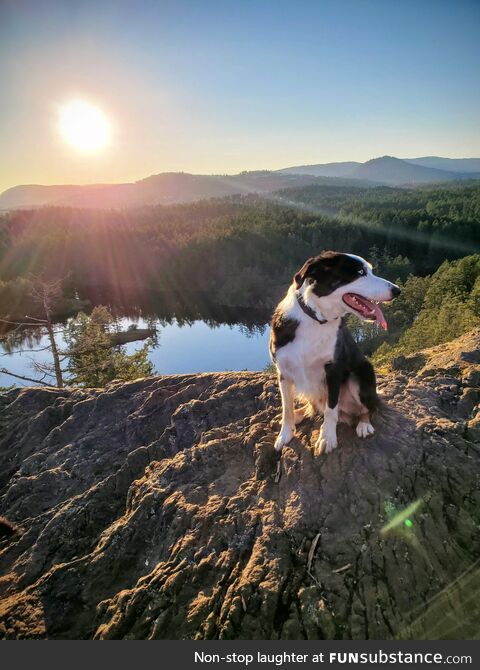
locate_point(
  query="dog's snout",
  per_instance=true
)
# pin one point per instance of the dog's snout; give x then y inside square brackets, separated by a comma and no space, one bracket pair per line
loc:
[395,290]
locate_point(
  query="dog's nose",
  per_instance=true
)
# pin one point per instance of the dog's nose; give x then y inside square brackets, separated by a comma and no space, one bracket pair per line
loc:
[395,291]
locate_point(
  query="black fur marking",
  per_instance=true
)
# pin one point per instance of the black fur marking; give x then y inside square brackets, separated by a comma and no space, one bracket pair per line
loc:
[329,271]
[333,374]
[350,361]
[282,331]
[365,376]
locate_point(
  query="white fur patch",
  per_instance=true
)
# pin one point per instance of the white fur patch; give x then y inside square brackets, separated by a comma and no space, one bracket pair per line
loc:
[303,360]
[364,429]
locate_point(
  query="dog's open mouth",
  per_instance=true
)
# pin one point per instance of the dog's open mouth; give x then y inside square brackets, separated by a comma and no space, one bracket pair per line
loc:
[367,309]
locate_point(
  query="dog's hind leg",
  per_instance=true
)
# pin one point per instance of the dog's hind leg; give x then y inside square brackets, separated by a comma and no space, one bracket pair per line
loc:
[287,391]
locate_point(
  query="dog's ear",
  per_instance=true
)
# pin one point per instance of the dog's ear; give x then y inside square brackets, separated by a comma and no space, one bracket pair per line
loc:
[301,275]
[314,267]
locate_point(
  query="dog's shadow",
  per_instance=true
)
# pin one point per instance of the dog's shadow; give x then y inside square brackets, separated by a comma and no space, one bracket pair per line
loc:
[394,431]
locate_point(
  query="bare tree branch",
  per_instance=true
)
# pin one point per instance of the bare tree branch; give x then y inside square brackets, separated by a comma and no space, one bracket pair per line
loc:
[44,368]
[34,318]
[4,371]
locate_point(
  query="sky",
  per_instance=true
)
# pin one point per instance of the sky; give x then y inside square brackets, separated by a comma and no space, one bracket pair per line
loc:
[208,86]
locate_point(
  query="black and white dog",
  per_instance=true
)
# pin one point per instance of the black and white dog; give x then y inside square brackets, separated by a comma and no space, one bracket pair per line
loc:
[315,354]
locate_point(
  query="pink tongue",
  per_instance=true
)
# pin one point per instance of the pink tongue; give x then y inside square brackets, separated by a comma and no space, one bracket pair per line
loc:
[380,318]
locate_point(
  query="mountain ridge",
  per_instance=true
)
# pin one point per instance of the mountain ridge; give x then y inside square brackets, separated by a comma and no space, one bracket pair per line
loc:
[395,171]
[183,187]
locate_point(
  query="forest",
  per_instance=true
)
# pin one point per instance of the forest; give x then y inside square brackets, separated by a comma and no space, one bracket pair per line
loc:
[241,251]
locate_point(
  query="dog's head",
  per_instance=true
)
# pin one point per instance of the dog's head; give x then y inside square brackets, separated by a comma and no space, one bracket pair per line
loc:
[338,283]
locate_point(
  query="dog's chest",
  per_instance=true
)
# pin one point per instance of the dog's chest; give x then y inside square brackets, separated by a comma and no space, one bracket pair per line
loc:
[304,359]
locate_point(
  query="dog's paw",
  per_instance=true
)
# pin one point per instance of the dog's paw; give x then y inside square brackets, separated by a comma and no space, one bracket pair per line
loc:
[364,429]
[324,446]
[284,437]
[327,442]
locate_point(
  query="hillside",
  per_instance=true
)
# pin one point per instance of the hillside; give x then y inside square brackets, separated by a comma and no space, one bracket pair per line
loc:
[234,252]
[157,509]
[166,188]
[344,169]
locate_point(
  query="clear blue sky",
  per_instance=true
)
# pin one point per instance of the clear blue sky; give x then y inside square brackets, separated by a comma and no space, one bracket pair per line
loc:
[207,86]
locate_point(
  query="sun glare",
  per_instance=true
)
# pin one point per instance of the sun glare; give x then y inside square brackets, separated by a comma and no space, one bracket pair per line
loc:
[84,126]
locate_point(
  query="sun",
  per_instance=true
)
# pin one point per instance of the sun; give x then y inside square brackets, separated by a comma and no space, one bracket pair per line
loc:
[84,126]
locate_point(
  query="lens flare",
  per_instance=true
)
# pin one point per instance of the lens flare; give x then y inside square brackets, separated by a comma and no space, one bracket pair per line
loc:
[402,517]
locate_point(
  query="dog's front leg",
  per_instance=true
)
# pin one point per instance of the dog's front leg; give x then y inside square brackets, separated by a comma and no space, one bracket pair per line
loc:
[327,440]
[287,391]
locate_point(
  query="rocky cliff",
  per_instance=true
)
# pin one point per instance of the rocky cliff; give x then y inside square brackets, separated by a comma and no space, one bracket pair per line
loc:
[158,509]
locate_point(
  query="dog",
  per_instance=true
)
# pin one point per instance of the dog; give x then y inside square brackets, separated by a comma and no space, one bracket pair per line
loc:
[316,357]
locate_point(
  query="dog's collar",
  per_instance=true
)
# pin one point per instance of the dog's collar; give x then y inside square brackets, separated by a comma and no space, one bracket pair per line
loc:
[308,310]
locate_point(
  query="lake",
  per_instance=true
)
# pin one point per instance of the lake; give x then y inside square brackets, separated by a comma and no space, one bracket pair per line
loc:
[184,345]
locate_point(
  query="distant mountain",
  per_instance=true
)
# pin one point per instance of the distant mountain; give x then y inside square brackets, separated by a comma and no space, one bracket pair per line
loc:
[165,188]
[463,165]
[394,171]
[180,187]
[323,169]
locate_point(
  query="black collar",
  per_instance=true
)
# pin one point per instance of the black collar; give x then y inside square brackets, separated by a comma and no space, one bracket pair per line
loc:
[308,310]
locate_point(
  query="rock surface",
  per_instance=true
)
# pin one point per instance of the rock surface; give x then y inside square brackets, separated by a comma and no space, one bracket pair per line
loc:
[158,509]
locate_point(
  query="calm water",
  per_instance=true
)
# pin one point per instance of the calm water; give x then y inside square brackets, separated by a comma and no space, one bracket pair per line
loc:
[196,345]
